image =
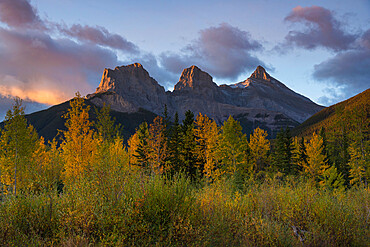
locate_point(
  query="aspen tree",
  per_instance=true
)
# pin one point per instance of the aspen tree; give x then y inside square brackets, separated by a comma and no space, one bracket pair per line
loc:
[78,145]
[17,143]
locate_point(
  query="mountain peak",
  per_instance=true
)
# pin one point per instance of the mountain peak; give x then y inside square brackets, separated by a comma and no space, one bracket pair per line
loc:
[261,74]
[193,77]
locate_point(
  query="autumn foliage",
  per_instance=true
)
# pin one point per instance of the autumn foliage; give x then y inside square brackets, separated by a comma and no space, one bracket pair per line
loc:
[194,183]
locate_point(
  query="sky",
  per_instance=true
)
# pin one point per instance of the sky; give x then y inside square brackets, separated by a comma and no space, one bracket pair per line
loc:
[50,49]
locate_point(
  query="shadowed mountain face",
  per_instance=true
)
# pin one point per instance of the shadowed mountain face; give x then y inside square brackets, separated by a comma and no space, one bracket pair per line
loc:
[134,97]
[260,100]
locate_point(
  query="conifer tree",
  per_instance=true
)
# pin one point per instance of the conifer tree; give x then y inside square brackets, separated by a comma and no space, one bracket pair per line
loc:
[206,134]
[299,155]
[282,156]
[187,145]
[132,146]
[18,141]
[259,148]
[331,179]
[157,143]
[142,151]
[174,146]
[359,149]
[316,159]
[233,148]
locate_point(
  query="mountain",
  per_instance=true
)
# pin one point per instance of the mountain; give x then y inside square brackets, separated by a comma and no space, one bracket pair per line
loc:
[260,100]
[330,115]
[134,97]
[48,122]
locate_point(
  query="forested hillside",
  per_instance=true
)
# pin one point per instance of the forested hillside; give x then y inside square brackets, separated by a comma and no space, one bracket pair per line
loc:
[189,183]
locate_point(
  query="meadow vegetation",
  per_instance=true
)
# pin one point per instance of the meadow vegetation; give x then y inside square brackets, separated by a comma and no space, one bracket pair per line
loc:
[182,184]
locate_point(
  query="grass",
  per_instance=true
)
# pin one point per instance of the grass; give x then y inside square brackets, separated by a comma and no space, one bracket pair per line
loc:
[158,211]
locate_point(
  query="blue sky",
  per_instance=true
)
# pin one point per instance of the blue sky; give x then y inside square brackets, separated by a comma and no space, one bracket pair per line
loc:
[49,49]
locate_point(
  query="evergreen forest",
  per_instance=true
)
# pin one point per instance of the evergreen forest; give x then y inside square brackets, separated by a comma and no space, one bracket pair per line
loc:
[188,183]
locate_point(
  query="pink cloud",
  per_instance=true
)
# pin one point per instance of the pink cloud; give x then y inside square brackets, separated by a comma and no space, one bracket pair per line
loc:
[47,70]
[99,35]
[224,51]
[19,14]
[322,29]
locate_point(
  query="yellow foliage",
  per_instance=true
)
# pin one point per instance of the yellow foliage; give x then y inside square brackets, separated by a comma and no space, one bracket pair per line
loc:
[259,148]
[79,147]
[157,143]
[316,160]
[207,134]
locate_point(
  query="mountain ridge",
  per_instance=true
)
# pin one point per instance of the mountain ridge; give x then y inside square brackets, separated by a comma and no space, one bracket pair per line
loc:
[134,96]
[197,91]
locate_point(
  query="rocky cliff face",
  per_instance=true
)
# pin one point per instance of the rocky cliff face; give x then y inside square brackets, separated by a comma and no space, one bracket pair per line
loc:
[260,100]
[130,88]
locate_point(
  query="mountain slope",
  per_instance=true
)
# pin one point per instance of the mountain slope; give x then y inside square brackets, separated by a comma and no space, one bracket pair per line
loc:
[48,122]
[260,100]
[134,97]
[326,117]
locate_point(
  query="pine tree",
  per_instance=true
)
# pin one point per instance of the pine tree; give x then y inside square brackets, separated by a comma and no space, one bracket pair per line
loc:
[174,146]
[18,141]
[187,146]
[282,156]
[299,155]
[142,151]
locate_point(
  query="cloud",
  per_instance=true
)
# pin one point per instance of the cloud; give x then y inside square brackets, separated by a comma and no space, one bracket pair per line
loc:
[45,62]
[158,72]
[6,103]
[99,35]
[37,67]
[19,14]
[322,29]
[348,70]
[223,51]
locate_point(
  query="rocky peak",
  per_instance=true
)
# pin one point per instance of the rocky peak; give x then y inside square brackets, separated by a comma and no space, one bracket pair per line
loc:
[194,78]
[130,87]
[128,77]
[260,74]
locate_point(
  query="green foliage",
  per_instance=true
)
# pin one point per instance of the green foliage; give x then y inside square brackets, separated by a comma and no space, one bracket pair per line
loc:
[283,152]
[188,159]
[155,210]
[331,179]
[143,148]
[105,124]
[152,192]
[78,144]
[18,141]
[233,149]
